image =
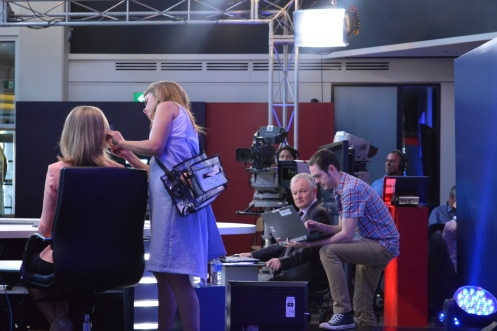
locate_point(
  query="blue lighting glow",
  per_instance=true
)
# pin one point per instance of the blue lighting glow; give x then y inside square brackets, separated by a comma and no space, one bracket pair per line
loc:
[455,321]
[475,300]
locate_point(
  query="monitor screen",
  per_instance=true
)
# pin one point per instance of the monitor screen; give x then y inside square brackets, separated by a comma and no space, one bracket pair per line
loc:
[345,155]
[405,190]
[267,306]
[288,169]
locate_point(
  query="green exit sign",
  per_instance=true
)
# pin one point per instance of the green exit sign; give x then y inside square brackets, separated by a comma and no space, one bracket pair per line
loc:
[138,97]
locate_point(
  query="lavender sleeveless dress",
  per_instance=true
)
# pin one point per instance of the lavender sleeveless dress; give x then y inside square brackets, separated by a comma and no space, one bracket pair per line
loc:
[180,245]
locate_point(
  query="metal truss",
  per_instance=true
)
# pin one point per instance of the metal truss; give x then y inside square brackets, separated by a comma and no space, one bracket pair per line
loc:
[133,12]
[277,14]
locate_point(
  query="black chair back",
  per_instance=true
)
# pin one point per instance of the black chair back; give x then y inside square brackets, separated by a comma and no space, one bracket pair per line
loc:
[97,236]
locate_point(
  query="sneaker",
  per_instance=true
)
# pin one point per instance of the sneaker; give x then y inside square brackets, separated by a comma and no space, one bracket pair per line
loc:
[339,322]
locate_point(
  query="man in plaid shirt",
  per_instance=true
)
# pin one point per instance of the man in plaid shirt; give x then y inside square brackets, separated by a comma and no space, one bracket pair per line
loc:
[365,236]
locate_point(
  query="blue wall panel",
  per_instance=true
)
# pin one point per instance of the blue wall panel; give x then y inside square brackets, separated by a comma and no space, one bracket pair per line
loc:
[476,165]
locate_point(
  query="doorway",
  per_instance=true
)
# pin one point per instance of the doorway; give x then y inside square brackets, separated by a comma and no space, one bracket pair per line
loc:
[404,117]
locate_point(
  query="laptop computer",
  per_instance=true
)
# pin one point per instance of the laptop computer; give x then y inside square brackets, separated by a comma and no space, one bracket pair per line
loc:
[285,223]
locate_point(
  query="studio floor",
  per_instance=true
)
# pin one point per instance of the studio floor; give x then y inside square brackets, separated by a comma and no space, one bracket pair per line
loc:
[314,326]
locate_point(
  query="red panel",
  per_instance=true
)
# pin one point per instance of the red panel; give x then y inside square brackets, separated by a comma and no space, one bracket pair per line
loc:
[406,277]
[232,125]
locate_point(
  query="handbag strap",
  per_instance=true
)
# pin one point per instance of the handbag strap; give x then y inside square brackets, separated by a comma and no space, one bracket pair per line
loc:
[192,150]
[163,167]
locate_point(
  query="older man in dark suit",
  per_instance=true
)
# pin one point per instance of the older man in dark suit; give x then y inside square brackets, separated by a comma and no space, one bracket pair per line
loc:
[298,264]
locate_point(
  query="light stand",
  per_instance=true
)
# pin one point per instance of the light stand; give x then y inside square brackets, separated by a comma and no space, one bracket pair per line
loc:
[323,27]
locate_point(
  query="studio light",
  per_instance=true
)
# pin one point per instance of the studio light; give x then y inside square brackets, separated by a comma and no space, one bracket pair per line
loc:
[323,27]
[471,306]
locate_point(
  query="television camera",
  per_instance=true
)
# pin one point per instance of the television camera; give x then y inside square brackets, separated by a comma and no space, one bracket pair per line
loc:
[263,170]
[353,153]
[262,152]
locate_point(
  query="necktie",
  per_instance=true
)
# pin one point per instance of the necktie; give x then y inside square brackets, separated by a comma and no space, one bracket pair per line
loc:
[301,213]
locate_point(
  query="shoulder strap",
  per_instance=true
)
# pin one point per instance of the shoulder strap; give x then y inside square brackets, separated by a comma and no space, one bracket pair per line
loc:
[163,167]
[192,150]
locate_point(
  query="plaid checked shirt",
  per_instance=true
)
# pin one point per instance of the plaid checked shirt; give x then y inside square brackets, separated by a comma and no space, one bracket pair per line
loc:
[356,199]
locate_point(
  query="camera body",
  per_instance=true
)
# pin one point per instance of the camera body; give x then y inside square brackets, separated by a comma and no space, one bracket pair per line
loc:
[262,152]
[263,168]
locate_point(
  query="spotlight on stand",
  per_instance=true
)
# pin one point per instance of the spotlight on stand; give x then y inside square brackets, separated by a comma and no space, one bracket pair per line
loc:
[323,27]
[470,307]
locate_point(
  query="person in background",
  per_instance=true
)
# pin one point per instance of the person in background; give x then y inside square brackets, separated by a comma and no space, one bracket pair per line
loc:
[446,212]
[449,234]
[292,264]
[395,165]
[443,279]
[287,153]
[365,236]
[180,246]
[83,143]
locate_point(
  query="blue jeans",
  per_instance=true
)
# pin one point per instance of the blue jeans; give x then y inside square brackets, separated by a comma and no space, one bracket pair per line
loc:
[370,259]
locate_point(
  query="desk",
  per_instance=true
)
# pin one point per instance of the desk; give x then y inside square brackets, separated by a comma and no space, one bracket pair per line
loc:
[17,231]
[16,228]
[241,271]
[406,276]
[235,228]
[19,228]
[10,265]
[225,228]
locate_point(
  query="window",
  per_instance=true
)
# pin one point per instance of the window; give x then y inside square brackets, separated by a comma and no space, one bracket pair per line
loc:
[7,126]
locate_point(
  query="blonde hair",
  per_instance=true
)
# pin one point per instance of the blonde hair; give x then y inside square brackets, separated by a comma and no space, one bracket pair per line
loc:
[171,91]
[83,140]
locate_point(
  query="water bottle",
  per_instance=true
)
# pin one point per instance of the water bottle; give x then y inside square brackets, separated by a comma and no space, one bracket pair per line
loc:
[216,273]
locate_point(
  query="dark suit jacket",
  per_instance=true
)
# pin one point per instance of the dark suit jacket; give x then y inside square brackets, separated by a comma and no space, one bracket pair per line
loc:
[299,264]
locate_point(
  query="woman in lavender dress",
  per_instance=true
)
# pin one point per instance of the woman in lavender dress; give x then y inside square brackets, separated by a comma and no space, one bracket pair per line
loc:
[180,246]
